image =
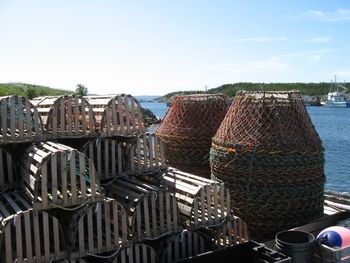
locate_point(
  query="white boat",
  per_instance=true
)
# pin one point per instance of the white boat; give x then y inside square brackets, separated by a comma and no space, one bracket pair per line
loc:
[338,98]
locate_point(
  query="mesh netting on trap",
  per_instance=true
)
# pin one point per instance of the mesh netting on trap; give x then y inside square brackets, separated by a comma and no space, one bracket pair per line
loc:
[270,156]
[187,130]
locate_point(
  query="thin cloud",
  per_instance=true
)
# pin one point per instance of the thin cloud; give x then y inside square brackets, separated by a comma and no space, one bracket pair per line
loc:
[320,40]
[260,39]
[335,16]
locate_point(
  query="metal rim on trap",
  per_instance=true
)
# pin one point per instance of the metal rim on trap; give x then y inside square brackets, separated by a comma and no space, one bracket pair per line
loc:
[27,235]
[270,156]
[117,115]
[187,130]
[68,116]
[152,211]
[19,121]
[202,202]
[51,181]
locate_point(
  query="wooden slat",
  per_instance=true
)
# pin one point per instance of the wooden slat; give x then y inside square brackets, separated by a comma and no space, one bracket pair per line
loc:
[4,119]
[83,117]
[82,175]
[37,241]
[18,227]
[69,113]
[46,236]
[28,237]
[99,226]
[64,176]
[73,177]
[146,217]
[44,185]
[54,177]
[114,158]
[120,113]
[76,115]
[54,122]
[20,117]
[12,117]
[8,244]
[28,120]
[62,118]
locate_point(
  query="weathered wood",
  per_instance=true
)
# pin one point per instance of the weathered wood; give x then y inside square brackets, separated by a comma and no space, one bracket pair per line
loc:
[233,232]
[8,173]
[68,116]
[19,121]
[152,211]
[183,245]
[102,228]
[55,175]
[136,253]
[202,202]
[28,235]
[107,155]
[147,155]
[117,115]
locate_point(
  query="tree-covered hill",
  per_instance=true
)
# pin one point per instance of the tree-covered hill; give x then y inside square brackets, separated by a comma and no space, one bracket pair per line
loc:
[312,89]
[30,91]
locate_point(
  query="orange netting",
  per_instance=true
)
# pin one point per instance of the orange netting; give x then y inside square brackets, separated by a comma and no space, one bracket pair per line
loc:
[269,154]
[187,130]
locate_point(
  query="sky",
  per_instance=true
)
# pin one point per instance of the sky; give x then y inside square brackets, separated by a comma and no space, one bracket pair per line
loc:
[156,47]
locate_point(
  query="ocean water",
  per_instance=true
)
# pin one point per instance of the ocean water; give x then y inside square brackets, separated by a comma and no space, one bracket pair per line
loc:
[333,126]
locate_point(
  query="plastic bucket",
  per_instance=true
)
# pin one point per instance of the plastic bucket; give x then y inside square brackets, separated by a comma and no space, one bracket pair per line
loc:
[299,245]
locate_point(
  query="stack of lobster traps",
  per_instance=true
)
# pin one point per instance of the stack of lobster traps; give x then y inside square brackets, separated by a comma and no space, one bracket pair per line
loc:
[82,180]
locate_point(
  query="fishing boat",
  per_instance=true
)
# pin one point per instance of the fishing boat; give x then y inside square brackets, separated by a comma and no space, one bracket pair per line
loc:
[338,98]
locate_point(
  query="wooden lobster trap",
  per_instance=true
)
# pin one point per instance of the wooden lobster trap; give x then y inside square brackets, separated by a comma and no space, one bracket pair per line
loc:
[184,245]
[147,155]
[202,202]
[55,175]
[232,232]
[68,116]
[102,228]
[117,115]
[8,173]
[110,156]
[27,235]
[19,121]
[152,211]
[136,253]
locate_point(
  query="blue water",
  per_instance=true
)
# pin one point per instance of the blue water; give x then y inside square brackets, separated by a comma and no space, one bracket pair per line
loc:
[333,126]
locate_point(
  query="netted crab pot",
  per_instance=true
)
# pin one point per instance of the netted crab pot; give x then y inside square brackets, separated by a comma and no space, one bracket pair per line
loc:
[55,175]
[8,174]
[28,235]
[202,202]
[136,253]
[68,116]
[187,130]
[184,245]
[269,154]
[147,155]
[102,228]
[152,211]
[19,121]
[117,115]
